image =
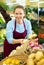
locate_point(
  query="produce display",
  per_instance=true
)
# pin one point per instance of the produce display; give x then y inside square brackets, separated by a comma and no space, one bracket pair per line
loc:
[1,19]
[2,35]
[41,25]
[25,54]
[30,52]
[11,61]
[27,46]
[14,60]
[32,36]
[20,49]
[32,15]
[5,15]
[36,58]
[4,18]
[41,18]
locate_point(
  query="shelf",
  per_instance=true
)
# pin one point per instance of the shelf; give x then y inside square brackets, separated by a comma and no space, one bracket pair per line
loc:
[34,4]
[41,2]
[41,18]
[33,0]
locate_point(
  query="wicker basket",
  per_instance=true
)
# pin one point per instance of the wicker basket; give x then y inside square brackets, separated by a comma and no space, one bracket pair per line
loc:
[21,57]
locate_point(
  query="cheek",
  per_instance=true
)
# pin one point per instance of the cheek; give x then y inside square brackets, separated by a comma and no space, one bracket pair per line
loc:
[21,16]
[15,15]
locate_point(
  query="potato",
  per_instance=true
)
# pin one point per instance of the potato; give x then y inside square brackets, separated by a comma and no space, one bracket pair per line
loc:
[30,62]
[25,41]
[32,56]
[39,55]
[35,61]
[15,62]
[41,62]
[7,61]
[18,48]
[31,36]
[11,61]
[12,53]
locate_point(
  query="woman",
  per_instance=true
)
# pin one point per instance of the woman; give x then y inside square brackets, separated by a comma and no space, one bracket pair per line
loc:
[16,30]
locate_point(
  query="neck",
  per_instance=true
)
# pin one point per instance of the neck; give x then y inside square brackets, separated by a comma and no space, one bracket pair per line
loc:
[19,22]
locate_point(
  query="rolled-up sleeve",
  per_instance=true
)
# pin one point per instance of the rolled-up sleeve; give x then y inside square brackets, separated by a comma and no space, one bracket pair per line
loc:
[9,32]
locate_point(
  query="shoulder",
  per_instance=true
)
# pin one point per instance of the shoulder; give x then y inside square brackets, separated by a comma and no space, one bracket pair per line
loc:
[26,21]
[11,22]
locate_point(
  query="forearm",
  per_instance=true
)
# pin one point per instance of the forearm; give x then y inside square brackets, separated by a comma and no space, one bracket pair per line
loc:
[15,41]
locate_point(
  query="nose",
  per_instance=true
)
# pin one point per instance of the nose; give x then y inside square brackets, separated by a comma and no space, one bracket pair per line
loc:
[18,15]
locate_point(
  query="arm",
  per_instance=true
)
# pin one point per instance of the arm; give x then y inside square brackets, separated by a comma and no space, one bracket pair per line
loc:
[9,34]
[29,28]
[17,41]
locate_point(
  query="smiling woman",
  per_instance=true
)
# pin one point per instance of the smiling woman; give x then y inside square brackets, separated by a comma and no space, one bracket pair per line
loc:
[17,30]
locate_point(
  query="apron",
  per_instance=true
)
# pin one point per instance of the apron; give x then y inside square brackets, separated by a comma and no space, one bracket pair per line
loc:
[9,47]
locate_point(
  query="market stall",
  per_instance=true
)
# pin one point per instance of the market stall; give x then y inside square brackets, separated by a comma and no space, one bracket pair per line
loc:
[26,54]
[31,52]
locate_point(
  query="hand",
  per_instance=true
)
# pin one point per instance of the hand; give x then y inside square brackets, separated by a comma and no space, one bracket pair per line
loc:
[21,41]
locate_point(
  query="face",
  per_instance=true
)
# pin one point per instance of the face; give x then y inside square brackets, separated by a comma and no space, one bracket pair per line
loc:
[19,14]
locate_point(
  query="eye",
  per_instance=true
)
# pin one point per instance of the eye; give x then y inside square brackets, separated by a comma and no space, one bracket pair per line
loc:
[16,13]
[20,13]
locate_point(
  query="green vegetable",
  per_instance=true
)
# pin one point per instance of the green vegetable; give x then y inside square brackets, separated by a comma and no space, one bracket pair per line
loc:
[1,20]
